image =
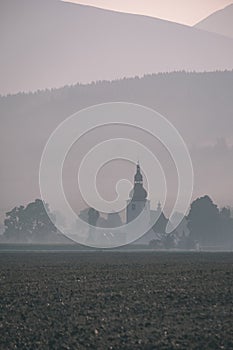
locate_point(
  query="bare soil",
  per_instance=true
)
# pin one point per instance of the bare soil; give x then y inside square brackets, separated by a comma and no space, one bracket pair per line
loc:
[114,300]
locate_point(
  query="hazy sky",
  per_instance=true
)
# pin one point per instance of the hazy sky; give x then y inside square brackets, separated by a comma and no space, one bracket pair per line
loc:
[182,11]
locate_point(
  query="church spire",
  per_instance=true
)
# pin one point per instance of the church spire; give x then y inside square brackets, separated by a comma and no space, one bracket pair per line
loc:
[138,179]
[138,193]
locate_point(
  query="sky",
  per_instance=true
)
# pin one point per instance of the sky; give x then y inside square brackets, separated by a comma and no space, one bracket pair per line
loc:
[187,12]
[23,150]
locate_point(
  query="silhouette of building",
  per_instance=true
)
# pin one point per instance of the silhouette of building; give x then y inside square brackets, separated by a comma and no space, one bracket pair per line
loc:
[152,222]
[138,203]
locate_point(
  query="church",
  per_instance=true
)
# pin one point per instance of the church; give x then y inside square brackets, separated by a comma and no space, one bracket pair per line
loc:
[137,203]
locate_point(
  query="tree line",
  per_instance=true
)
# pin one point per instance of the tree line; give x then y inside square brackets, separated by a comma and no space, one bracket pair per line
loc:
[28,224]
[208,226]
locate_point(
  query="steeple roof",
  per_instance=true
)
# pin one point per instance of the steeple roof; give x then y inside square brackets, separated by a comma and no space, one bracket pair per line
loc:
[138,176]
[138,193]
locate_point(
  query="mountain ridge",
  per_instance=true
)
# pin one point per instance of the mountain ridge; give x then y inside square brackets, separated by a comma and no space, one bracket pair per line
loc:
[199,105]
[219,22]
[59,43]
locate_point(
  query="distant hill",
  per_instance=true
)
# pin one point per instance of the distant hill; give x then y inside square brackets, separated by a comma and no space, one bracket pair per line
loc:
[49,43]
[200,106]
[220,22]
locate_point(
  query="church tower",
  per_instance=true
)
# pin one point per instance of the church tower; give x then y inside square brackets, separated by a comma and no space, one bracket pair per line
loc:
[138,200]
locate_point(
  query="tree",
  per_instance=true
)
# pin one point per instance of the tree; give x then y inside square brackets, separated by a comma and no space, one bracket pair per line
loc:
[226,227]
[170,241]
[186,242]
[14,225]
[28,224]
[156,244]
[204,221]
[93,216]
